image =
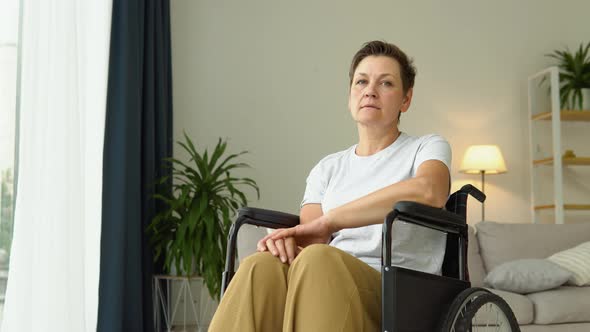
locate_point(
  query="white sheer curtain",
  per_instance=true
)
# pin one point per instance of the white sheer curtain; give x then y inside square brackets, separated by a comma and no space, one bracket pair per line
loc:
[54,264]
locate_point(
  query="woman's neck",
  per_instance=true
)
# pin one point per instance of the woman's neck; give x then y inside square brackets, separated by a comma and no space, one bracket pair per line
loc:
[373,141]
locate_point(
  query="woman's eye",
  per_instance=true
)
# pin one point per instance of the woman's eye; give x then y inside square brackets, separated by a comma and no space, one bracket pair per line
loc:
[361,81]
[387,83]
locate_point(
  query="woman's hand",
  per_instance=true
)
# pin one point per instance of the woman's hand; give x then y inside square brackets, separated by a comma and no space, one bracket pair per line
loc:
[285,248]
[317,231]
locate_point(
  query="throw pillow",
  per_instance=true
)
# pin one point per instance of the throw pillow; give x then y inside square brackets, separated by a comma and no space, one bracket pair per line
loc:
[527,276]
[577,261]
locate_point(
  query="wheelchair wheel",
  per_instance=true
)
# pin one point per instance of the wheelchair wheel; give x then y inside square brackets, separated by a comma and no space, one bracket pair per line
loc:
[477,309]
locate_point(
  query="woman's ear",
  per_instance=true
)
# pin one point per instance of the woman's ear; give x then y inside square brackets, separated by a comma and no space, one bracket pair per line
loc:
[407,100]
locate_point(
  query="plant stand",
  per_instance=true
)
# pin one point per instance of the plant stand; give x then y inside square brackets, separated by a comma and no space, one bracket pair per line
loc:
[166,304]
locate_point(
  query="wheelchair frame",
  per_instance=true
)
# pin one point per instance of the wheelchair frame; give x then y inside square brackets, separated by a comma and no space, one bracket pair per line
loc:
[400,302]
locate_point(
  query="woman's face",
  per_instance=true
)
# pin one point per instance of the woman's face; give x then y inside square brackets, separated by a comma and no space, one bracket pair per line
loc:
[376,94]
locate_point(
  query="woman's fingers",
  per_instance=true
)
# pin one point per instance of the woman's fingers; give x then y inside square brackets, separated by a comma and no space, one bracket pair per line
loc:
[270,244]
[283,233]
[261,245]
[291,249]
[280,245]
[285,249]
[264,239]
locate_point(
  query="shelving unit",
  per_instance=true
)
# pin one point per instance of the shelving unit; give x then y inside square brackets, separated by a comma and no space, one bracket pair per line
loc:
[565,161]
[565,115]
[556,116]
[565,206]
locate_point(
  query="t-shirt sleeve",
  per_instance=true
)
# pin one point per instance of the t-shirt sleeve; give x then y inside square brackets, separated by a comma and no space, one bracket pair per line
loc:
[434,147]
[316,185]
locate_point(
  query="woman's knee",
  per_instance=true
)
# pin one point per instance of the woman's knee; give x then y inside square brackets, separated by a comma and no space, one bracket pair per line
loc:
[317,254]
[260,259]
[262,267]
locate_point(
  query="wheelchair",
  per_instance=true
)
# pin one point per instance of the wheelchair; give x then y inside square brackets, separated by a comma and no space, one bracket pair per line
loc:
[412,300]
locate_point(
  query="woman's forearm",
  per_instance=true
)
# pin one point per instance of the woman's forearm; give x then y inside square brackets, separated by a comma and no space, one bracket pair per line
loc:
[431,189]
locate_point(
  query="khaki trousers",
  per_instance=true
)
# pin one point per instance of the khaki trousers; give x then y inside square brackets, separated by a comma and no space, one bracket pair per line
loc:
[323,290]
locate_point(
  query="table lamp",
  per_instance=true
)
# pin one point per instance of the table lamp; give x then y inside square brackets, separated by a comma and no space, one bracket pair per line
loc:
[483,159]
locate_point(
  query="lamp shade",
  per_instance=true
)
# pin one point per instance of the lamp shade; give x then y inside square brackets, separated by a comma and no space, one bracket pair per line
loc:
[483,158]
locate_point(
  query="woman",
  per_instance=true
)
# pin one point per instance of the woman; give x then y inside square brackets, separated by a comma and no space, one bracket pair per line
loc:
[324,274]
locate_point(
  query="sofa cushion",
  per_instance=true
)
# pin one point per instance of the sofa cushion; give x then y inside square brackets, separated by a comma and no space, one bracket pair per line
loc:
[562,305]
[577,261]
[527,276]
[474,263]
[521,305]
[500,243]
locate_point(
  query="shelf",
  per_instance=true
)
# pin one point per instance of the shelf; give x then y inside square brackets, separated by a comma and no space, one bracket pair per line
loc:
[557,117]
[565,206]
[566,161]
[566,115]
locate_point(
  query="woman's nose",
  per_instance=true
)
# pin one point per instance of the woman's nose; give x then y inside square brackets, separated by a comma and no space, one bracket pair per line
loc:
[370,91]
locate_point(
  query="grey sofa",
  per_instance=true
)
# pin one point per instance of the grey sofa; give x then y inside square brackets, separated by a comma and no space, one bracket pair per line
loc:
[566,308]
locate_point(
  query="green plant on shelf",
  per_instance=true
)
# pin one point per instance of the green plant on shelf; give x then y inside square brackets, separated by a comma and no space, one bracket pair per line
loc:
[574,75]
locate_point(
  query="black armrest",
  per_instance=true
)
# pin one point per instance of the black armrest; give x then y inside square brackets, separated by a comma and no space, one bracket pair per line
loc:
[267,218]
[428,216]
[257,217]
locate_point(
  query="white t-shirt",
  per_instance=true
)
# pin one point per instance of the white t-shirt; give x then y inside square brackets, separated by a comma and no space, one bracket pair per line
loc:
[344,176]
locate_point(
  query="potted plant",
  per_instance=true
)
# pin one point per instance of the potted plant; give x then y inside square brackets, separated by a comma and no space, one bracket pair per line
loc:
[192,231]
[574,76]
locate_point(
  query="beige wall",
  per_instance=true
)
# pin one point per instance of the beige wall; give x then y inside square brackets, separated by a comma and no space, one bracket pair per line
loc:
[272,77]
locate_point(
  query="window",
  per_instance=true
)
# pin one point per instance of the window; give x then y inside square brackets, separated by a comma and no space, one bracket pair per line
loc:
[9,23]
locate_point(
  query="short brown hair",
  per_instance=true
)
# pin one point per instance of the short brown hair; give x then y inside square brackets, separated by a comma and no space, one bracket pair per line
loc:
[376,48]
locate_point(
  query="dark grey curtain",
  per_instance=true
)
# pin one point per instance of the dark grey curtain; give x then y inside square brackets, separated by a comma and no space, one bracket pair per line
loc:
[138,135]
